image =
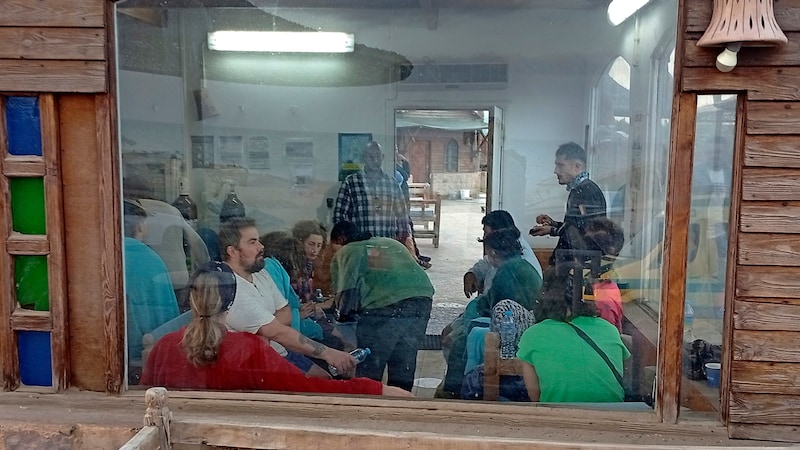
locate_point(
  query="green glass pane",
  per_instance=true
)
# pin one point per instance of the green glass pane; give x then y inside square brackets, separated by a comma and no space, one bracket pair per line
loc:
[30,273]
[27,205]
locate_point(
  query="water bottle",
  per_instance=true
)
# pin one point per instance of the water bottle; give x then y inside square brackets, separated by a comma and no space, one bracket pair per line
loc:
[318,297]
[231,207]
[688,322]
[185,204]
[508,336]
[360,354]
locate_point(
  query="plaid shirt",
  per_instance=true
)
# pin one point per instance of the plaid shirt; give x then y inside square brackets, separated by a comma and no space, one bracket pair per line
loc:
[376,206]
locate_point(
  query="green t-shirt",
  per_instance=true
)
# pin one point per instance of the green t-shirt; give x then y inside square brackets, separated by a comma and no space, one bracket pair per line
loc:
[382,269]
[569,369]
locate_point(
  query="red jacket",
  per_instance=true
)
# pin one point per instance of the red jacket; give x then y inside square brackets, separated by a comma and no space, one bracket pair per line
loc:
[245,362]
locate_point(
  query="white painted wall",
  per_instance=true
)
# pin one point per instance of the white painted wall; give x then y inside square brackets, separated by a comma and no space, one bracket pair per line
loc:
[554,57]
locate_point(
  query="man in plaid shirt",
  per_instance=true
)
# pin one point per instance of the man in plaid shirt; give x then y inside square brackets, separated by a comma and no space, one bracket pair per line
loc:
[372,200]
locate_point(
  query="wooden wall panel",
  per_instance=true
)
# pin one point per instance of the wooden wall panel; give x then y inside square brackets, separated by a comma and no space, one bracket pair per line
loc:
[53,13]
[750,315]
[770,217]
[779,346]
[773,117]
[83,217]
[771,184]
[772,151]
[774,85]
[784,55]
[52,76]
[765,408]
[53,43]
[765,377]
[769,250]
[763,432]
[774,282]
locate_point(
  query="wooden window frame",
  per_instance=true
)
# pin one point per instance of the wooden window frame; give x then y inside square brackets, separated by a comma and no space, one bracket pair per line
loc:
[50,245]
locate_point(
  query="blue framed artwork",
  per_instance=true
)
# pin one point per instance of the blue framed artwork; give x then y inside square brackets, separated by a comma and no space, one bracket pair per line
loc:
[351,147]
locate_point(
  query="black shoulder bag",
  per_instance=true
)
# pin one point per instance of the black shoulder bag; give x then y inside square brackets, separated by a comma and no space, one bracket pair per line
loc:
[629,396]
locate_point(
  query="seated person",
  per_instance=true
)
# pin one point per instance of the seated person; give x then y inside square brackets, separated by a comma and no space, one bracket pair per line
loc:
[479,277]
[204,355]
[515,279]
[261,309]
[149,295]
[560,366]
[602,238]
[169,235]
[311,235]
[280,261]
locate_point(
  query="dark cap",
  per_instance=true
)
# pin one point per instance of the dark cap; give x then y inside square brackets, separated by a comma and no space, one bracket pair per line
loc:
[131,208]
[226,281]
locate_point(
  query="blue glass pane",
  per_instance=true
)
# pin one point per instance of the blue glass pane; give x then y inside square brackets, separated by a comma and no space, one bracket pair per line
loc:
[24,126]
[35,364]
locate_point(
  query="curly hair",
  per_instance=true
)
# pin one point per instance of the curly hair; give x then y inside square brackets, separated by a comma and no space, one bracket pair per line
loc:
[305,228]
[286,249]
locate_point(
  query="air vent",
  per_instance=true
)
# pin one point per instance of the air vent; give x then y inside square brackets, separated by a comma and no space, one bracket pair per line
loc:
[428,75]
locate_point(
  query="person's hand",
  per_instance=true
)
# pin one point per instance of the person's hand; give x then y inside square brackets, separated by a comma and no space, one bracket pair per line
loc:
[394,391]
[470,284]
[544,219]
[540,230]
[344,362]
[307,310]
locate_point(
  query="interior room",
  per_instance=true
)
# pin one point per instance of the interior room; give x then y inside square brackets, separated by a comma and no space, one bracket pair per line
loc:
[280,128]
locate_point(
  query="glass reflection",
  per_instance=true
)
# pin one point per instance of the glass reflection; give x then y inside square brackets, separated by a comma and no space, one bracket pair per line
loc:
[468,106]
[708,250]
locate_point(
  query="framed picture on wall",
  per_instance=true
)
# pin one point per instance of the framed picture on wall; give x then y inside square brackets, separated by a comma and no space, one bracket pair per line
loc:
[351,147]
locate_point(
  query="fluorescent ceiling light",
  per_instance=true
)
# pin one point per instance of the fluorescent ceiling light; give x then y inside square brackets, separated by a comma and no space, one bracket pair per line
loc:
[619,10]
[281,41]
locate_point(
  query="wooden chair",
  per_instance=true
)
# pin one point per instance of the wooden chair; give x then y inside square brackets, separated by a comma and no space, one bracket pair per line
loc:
[425,210]
[494,366]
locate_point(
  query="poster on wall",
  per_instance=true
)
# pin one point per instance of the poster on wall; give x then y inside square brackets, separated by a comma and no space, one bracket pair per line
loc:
[258,152]
[230,152]
[202,152]
[351,147]
[300,155]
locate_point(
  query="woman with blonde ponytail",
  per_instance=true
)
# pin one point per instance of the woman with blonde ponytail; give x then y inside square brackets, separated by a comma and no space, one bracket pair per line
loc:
[205,355]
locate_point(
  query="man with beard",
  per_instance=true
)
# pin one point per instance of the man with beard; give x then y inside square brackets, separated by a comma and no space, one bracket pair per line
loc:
[259,307]
[584,203]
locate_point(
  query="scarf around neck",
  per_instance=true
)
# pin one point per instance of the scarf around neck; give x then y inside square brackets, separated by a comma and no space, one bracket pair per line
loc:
[583,176]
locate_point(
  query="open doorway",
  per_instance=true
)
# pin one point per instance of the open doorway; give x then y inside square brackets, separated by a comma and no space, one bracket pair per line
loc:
[450,155]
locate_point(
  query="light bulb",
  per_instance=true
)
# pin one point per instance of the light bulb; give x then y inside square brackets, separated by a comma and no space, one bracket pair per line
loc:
[727,60]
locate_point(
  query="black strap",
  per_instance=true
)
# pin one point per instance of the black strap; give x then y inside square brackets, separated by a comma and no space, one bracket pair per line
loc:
[600,352]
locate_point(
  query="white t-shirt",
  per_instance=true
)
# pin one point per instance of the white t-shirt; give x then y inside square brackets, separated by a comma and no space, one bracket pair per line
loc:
[255,305]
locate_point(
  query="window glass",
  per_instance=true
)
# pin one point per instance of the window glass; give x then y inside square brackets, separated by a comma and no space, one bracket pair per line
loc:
[24,126]
[27,205]
[708,251]
[451,156]
[30,275]
[424,121]
[35,362]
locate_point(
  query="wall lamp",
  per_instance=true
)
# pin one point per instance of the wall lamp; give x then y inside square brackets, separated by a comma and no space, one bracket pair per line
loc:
[281,41]
[741,23]
[620,10]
